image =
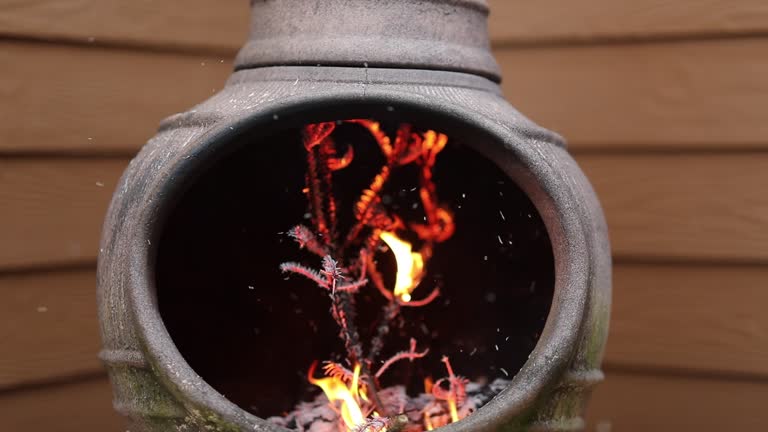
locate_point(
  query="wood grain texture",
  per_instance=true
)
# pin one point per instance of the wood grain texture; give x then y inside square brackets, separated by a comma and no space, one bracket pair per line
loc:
[51,210]
[190,24]
[705,207]
[522,21]
[65,99]
[665,317]
[693,319]
[637,96]
[48,327]
[681,207]
[194,24]
[643,403]
[77,407]
[666,96]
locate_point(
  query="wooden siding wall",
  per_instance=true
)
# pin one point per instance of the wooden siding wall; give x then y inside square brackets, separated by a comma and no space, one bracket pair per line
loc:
[665,105]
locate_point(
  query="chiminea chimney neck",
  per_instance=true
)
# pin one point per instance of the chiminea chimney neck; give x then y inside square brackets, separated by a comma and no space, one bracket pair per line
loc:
[449,35]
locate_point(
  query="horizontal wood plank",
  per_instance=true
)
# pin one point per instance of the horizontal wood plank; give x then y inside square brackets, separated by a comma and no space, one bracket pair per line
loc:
[48,327]
[75,407]
[693,319]
[708,207]
[562,21]
[199,24]
[642,403]
[671,96]
[67,99]
[600,97]
[51,210]
[189,24]
[665,317]
[683,207]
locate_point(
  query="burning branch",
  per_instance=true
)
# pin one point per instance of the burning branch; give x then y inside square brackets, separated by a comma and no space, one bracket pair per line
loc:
[423,302]
[374,225]
[319,147]
[455,394]
[336,370]
[411,355]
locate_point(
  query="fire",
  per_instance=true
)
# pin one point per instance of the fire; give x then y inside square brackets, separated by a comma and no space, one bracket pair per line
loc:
[347,396]
[355,395]
[452,409]
[428,422]
[410,265]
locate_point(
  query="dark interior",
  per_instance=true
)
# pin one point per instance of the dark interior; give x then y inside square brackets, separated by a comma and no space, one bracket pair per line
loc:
[252,332]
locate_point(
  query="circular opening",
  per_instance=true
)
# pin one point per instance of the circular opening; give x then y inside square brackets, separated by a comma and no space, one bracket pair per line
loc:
[251,331]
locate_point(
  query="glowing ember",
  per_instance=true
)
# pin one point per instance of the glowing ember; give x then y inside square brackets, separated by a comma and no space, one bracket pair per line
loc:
[410,265]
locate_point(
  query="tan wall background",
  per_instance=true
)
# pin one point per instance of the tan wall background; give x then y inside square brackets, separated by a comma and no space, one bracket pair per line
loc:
[665,104]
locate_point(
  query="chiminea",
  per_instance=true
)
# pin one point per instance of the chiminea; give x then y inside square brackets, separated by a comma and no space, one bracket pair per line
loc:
[358,233]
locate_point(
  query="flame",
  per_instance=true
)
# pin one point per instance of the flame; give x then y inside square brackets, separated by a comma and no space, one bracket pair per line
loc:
[452,409]
[442,395]
[410,265]
[337,391]
[428,422]
[428,384]
[452,393]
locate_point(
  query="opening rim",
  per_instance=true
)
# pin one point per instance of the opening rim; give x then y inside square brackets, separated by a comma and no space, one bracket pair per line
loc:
[510,152]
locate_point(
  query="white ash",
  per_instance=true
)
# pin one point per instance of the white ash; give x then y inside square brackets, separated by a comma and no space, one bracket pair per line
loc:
[319,416]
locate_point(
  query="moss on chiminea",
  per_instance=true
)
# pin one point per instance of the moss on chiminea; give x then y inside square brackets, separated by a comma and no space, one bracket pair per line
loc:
[140,393]
[519,424]
[206,420]
[597,333]
[154,387]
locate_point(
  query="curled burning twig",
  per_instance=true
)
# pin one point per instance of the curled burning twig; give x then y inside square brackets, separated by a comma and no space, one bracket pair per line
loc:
[333,369]
[411,355]
[375,129]
[423,302]
[315,133]
[457,386]
[336,163]
[377,280]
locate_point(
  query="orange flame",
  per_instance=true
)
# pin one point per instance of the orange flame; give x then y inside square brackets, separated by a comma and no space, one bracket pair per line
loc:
[452,409]
[410,265]
[428,422]
[348,398]
[428,383]
[452,394]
